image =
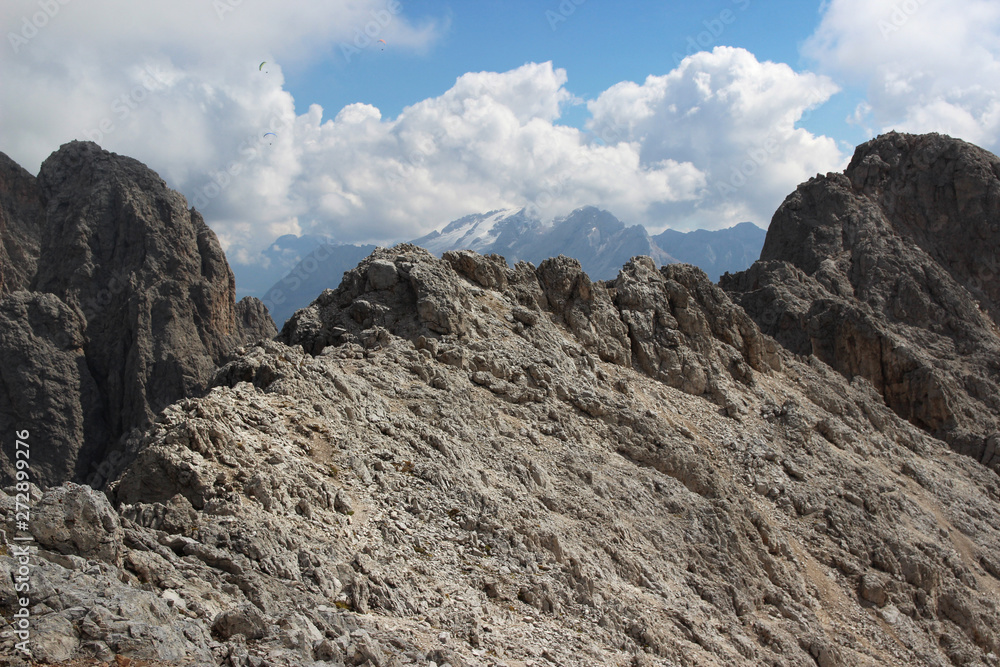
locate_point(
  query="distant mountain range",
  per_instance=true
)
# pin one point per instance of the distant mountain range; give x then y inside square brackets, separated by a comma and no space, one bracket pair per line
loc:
[596,238]
[280,258]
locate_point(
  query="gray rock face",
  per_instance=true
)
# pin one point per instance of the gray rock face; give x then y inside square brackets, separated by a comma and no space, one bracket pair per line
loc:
[153,301]
[452,461]
[76,520]
[46,387]
[21,212]
[680,327]
[890,271]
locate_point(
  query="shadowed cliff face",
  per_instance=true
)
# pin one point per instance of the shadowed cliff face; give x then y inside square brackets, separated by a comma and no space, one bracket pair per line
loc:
[891,271]
[145,301]
[20,226]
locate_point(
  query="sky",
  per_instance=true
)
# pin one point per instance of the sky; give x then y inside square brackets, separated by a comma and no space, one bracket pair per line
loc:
[388,119]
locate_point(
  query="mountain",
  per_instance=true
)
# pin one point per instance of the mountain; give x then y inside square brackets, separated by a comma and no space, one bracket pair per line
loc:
[452,460]
[481,232]
[277,261]
[120,303]
[321,268]
[596,238]
[715,252]
[889,272]
[21,214]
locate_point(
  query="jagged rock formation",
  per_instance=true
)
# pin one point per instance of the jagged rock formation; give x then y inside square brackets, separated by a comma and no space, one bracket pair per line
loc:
[450,460]
[322,268]
[458,462]
[20,226]
[891,271]
[131,307]
[645,312]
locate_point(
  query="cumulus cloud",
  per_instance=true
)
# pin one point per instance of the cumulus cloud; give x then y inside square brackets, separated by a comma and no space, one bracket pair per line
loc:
[159,79]
[927,66]
[177,86]
[490,141]
[734,118]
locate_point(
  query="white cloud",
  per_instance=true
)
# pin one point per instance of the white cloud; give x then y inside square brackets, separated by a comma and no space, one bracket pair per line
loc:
[490,141]
[927,66]
[179,88]
[734,118]
[166,78]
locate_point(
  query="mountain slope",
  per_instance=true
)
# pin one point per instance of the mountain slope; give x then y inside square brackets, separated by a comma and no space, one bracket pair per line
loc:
[480,465]
[455,461]
[715,252]
[322,268]
[598,240]
[889,272]
[278,260]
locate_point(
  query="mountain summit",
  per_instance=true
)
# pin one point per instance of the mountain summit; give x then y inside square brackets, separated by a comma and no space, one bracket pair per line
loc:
[597,239]
[118,302]
[891,272]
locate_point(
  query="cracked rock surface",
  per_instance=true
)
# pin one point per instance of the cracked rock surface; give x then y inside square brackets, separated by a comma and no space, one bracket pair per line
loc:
[447,461]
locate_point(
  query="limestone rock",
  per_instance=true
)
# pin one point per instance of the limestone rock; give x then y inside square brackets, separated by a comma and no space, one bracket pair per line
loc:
[891,271]
[149,278]
[451,461]
[77,520]
[20,226]
[46,387]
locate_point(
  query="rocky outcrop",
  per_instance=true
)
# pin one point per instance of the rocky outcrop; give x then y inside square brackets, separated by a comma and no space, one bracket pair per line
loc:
[671,323]
[138,308]
[459,462]
[889,271]
[47,388]
[453,461]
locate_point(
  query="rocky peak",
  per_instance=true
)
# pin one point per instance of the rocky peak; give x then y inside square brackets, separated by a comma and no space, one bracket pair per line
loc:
[889,271]
[455,461]
[153,298]
[671,323]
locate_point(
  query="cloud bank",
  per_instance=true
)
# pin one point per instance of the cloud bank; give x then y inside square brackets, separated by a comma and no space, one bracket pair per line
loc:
[711,143]
[927,66]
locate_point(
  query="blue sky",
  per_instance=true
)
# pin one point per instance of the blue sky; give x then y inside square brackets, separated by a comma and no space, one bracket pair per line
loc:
[598,43]
[668,114]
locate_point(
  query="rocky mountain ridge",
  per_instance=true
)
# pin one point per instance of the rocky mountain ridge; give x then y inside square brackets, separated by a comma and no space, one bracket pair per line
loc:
[455,461]
[595,238]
